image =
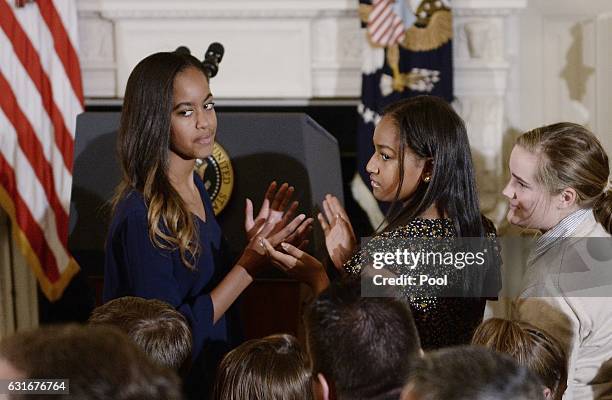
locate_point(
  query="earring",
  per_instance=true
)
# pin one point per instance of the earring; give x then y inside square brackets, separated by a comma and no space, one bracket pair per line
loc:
[427,179]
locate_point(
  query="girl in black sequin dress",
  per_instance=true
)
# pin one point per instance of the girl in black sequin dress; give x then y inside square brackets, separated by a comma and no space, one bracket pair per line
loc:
[422,165]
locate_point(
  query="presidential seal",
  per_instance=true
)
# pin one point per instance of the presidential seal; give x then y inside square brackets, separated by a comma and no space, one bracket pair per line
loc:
[218,175]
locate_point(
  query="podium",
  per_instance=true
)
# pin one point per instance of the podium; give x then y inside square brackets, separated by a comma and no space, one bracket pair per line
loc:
[286,147]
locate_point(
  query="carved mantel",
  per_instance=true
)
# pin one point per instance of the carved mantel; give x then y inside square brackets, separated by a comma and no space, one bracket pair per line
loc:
[275,49]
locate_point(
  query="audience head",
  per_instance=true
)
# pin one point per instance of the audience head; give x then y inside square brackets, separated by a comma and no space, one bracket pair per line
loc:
[100,362]
[530,347]
[470,373]
[156,327]
[360,347]
[555,170]
[422,158]
[272,368]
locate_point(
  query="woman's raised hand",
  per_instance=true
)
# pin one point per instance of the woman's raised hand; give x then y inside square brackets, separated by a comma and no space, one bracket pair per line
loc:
[340,238]
[272,210]
[255,255]
[299,265]
[274,216]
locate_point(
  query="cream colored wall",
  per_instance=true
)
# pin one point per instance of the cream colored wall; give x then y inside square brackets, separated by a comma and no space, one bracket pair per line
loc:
[566,65]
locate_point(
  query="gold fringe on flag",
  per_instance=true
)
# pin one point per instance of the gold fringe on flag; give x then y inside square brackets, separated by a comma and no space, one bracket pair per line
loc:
[53,290]
[364,12]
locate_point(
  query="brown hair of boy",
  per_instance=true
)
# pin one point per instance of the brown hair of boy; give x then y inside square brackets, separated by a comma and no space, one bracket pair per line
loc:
[100,362]
[155,326]
[271,368]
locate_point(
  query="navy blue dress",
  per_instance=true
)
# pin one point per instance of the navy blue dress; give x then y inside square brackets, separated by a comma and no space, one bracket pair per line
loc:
[134,266]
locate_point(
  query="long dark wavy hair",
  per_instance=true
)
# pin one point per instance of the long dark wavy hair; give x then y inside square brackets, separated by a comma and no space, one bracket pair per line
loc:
[142,145]
[432,129]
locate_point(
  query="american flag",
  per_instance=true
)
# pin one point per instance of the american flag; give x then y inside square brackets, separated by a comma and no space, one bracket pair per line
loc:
[384,25]
[40,97]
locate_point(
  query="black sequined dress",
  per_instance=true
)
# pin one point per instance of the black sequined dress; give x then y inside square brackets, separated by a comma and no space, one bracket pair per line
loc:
[441,321]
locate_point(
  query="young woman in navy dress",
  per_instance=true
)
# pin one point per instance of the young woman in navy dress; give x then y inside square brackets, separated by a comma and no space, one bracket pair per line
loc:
[164,242]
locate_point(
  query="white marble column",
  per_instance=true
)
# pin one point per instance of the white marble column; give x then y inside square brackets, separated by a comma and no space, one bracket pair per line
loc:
[485,57]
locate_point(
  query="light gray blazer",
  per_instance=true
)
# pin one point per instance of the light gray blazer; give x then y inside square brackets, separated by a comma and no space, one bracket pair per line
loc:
[567,292]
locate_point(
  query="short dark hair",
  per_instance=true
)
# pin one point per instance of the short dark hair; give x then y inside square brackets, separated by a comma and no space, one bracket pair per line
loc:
[471,373]
[100,362]
[155,326]
[363,345]
[272,368]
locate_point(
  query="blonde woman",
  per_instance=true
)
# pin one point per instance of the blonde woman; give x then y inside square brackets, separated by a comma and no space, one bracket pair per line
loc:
[560,186]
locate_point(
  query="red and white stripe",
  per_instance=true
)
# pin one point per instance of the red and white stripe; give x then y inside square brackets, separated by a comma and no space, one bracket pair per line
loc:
[384,25]
[40,96]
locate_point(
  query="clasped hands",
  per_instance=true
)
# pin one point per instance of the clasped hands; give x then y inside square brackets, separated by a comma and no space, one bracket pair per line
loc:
[275,223]
[282,239]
